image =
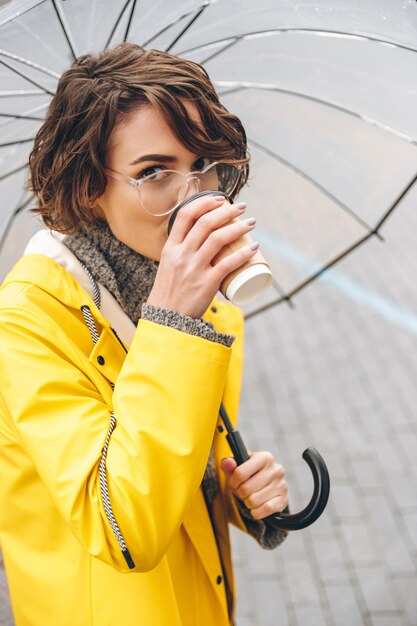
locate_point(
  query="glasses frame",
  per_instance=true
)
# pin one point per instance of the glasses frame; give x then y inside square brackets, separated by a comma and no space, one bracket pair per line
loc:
[188,177]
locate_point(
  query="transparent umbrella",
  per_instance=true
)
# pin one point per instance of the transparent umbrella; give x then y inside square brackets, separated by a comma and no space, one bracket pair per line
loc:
[327,91]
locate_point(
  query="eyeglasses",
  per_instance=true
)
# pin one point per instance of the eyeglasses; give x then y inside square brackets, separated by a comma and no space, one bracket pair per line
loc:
[161,191]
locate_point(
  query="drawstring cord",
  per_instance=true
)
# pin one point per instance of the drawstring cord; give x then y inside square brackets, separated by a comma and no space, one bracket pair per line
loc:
[104,489]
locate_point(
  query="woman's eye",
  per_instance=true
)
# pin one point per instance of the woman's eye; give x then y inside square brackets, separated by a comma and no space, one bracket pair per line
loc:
[149,171]
[201,163]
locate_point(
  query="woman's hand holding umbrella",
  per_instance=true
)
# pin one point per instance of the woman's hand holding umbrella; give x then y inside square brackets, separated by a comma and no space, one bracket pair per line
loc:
[259,482]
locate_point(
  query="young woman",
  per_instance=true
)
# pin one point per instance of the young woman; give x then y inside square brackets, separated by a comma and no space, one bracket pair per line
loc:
[117,484]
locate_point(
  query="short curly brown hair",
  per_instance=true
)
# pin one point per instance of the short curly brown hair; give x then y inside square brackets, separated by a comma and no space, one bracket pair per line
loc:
[68,160]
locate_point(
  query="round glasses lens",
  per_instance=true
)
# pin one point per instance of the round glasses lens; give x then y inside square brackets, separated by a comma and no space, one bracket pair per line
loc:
[161,192]
[220,176]
[228,177]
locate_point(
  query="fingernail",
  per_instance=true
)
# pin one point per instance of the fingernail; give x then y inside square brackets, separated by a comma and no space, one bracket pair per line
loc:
[254,246]
[219,198]
[251,221]
[240,206]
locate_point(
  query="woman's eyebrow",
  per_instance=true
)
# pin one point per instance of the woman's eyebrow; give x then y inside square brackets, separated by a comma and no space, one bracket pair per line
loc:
[161,158]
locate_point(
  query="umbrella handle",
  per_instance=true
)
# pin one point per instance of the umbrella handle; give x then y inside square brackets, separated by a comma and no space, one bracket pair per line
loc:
[318,501]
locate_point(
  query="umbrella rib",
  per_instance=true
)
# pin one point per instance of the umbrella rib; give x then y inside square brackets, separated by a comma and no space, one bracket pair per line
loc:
[126,35]
[21,117]
[15,213]
[314,183]
[16,142]
[309,280]
[35,66]
[9,117]
[17,93]
[61,20]
[165,28]
[30,80]
[228,44]
[162,31]
[266,307]
[15,171]
[238,86]
[315,31]
[116,24]
[397,201]
[23,8]
[187,26]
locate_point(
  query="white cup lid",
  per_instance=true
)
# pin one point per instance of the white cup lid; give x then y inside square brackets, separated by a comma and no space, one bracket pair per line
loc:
[249,284]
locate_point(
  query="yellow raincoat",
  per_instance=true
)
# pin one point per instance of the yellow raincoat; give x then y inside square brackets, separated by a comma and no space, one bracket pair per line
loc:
[62,558]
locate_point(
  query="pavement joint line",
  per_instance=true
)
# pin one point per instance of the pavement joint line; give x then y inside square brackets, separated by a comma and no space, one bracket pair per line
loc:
[324,601]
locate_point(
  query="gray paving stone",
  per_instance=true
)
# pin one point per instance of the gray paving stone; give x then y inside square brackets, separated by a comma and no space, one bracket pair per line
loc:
[377,589]
[384,516]
[367,472]
[347,502]
[398,557]
[270,604]
[311,616]
[6,618]
[344,606]
[362,545]
[406,590]
[261,561]
[410,521]
[243,620]
[330,559]
[390,459]
[304,588]
[404,492]
[387,619]
[293,546]
[397,548]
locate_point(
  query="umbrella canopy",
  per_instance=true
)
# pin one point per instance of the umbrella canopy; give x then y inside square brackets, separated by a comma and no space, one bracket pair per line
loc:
[327,91]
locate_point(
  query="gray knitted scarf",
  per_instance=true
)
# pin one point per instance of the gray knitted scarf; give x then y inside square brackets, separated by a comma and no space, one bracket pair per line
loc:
[128,275]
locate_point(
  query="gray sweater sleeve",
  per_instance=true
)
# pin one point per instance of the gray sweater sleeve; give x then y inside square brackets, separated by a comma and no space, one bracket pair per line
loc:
[267,536]
[186,324]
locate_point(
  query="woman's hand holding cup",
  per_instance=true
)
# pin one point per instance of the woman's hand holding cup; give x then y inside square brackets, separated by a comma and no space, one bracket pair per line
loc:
[187,280]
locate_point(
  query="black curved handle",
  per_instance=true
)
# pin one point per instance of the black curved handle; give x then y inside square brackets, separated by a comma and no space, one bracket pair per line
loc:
[318,501]
[317,504]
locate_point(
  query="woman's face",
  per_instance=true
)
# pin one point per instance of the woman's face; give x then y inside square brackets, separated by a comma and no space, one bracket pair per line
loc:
[147,138]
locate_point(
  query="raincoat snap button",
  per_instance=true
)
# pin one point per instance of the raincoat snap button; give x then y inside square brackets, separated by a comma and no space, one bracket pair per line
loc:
[220,428]
[214,309]
[101,360]
[219,580]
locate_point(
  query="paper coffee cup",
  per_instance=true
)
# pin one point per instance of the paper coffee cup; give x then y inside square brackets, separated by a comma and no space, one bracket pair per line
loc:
[247,282]
[250,280]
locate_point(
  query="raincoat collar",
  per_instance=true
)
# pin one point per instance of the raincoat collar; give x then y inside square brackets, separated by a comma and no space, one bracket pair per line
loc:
[48,275]
[51,266]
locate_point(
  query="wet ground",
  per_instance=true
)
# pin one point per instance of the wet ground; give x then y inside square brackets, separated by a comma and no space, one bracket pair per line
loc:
[338,373]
